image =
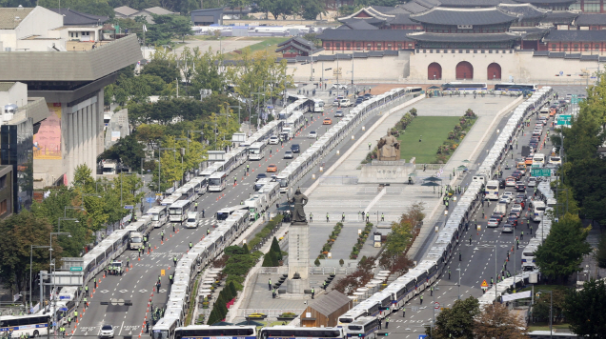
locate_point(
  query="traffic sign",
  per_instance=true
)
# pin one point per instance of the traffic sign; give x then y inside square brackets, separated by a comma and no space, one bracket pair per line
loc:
[149,200]
[129,207]
[422,336]
[162,272]
[436,305]
[76,269]
[484,284]
[564,117]
[540,172]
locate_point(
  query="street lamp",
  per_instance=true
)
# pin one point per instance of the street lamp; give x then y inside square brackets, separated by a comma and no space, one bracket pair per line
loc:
[66,219]
[31,254]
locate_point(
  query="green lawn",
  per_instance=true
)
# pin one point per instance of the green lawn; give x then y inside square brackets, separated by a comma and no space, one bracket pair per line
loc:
[434,131]
[545,327]
[270,44]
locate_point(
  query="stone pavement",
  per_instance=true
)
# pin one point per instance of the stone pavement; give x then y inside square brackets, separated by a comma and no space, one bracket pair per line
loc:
[335,194]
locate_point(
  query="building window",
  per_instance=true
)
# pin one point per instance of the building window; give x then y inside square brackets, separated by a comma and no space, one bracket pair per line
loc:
[400,46]
[338,45]
[565,47]
[358,46]
[586,47]
[3,206]
[348,45]
[379,46]
[576,47]
[389,47]
[591,6]
[575,7]
[328,45]
[596,46]
[369,47]
[554,47]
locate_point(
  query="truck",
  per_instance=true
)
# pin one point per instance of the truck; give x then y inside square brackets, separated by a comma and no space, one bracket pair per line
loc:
[110,167]
[501,209]
[135,240]
[287,133]
[257,203]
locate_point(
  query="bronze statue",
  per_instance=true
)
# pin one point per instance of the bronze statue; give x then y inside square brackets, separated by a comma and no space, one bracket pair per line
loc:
[300,200]
[389,148]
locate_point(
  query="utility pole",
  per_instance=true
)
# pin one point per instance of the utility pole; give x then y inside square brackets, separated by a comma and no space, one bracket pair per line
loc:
[459,284]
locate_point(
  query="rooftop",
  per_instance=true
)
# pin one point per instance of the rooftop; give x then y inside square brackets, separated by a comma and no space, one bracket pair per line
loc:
[70,66]
[365,35]
[159,11]
[330,303]
[125,10]
[546,2]
[472,3]
[9,15]
[578,36]
[75,18]
[359,24]
[467,16]
[5,86]
[463,37]
[585,19]
[524,11]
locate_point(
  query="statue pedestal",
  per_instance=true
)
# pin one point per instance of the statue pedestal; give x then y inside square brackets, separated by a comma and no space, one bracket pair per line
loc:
[386,172]
[295,288]
[298,250]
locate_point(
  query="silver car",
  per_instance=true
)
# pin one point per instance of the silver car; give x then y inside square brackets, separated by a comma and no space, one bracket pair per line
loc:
[492,222]
[532,182]
[288,155]
[507,228]
[107,331]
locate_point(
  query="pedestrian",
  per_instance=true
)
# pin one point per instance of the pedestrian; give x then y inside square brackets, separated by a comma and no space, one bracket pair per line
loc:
[208,231]
[170,278]
[173,228]
[530,230]
[431,291]
[203,213]
[527,222]
[491,281]
[175,260]
[449,274]
[403,312]
[273,293]
[161,235]
[369,145]
[313,292]
[380,323]
[343,217]
[518,244]
[327,218]
[387,323]
[85,300]
[470,239]
[459,255]
[269,284]
[190,245]
[522,236]
[196,206]
[311,217]
[382,217]
[248,166]
[421,299]
[146,326]
[324,285]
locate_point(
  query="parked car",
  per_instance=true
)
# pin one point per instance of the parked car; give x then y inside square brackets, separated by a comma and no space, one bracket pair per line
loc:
[520,186]
[327,121]
[512,219]
[272,168]
[510,182]
[261,176]
[338,86]
[345,103]
[532,182]
[517,208]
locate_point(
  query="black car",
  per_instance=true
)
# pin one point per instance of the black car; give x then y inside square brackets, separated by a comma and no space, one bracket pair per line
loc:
[261,176]
[502,183]
[512,219]
[295,148]
[520,186]
[367,96]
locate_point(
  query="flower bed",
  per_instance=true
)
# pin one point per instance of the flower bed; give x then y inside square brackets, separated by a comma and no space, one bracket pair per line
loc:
[361,240]
[331,240]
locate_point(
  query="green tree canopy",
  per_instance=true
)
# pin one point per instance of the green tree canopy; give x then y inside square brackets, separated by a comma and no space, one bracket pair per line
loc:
[458,321]
[585,310]
[562,252]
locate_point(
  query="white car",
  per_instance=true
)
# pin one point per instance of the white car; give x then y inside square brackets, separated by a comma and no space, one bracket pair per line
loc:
[492,222]
[517,208]
[338,86]
[555,160]
[508,196]
[312,135]
[532,182]
[507,228]
[288,155]
[274,140]
[107,331]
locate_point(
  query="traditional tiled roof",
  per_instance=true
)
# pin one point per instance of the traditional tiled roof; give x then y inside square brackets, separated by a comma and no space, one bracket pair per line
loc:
[372,21]
[8,15]
[546,2]
[556,35]
[452,16]
[159,11]
[471,3]
[402,19]
[365,35]
[373,13]
[359,24]
[524,11]
[585,19]
[463,37]
[414,7]
[299,40]
[560,17]
[75,18]
[530,33]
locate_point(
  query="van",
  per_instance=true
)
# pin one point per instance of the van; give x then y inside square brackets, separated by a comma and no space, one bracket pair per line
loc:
[521,166]
[537,209]
[538,158]
[192,220]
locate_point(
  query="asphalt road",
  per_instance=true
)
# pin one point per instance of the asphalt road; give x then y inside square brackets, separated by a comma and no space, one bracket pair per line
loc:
[477,258]
[138,283]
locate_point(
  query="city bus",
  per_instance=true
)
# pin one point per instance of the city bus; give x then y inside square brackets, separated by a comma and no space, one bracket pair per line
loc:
[512,86]
[318,106]
[159,216]
[177,212]
[31,325]
[464,86]
[365,327]
[223,332]
[278,332]
[165,328]
[492,190]
[217,182]
[256,151]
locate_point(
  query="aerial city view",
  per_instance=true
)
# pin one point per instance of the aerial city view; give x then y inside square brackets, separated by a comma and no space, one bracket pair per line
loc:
[287,169]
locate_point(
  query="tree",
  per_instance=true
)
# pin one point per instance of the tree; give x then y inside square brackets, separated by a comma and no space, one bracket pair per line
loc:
[601,253]
[398,264]
[167,27]
[585,310]
[275,247]
[19,232]
[399,239]
[495,321]
[456,322]
[83,177]
[589,185]
[562,252]
[126,150]
[165,69]
[313,8]
[270,259]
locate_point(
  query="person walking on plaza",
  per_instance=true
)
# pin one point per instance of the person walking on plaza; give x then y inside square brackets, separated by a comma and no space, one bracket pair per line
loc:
[421,299]
[387,323]
[403,312]
[327,218]
[313,292]
[382,217]
[269,284]
[343,217]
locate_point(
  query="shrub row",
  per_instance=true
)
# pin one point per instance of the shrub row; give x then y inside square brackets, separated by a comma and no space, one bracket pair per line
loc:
[361,240]
[455,136]
[266,231]
[331,240]
[400,126]
[219,311]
